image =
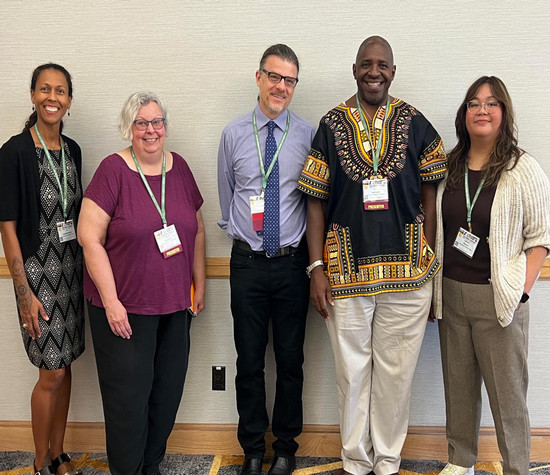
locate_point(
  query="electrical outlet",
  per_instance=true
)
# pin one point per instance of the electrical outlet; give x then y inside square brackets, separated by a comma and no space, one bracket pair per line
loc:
[218,378]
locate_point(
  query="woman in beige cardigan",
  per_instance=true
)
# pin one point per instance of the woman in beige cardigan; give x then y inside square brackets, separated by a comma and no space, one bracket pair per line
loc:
[493,235]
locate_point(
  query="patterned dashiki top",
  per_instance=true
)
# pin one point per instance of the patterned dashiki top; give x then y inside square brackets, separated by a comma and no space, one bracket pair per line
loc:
[371,252]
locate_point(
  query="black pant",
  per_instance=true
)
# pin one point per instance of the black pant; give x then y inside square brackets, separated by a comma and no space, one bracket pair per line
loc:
[141,382]
[264,289]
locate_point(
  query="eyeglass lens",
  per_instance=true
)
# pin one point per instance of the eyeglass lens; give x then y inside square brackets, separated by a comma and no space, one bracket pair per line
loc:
[142,124]
[490,106]
[275,78]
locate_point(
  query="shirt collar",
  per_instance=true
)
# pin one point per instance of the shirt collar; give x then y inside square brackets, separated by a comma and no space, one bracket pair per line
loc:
[262,119]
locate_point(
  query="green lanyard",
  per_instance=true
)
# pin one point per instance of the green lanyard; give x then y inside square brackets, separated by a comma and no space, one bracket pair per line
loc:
[374,150]
[62,190]
[265,176]
[470,205]
[162,208]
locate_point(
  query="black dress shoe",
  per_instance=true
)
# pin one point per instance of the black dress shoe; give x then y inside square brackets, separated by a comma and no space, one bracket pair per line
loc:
[282,466]
[251,466]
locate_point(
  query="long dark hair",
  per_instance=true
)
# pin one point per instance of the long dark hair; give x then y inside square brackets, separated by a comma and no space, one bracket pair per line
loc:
[506,147]
[43,67]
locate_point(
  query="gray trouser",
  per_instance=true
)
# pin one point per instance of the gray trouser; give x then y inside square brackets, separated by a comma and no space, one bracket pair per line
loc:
[474,347]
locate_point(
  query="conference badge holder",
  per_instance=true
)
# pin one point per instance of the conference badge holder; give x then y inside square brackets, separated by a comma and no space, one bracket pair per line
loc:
[375,194]
[66,230]
[168,241]
[257,206]
[466,242]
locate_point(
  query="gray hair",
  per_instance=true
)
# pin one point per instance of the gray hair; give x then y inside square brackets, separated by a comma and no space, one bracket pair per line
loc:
[131,108]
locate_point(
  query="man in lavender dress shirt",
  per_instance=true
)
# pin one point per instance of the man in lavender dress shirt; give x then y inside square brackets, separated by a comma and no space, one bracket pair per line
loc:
[266,288]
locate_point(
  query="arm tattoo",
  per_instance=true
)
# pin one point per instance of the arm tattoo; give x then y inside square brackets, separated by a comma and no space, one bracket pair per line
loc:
[529,251]
[22,290]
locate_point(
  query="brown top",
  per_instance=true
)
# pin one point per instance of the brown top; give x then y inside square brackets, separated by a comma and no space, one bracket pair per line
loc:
[456,265]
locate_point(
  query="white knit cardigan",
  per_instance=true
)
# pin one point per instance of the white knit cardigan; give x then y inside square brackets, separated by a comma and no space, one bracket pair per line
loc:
[520,220]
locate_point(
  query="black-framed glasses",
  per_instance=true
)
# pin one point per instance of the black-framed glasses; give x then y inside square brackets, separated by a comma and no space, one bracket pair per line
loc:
[276,78]
[142,124]
[491,106]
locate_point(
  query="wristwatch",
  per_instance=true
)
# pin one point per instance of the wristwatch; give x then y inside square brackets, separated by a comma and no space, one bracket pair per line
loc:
[312,266]
[524,297]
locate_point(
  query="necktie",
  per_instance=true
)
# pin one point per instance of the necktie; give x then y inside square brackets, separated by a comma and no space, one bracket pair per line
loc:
[271,211]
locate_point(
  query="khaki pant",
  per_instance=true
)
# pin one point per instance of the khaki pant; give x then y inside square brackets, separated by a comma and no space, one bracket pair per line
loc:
[376,342]
[474,347]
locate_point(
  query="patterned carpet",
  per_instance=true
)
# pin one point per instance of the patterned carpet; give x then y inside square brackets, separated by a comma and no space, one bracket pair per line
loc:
[19,463]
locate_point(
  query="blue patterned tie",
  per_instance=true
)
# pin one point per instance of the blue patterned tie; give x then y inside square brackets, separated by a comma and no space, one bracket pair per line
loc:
[271,211]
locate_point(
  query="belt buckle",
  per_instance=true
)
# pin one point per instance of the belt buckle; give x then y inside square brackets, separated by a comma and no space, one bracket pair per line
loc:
[283,251]
[277,254]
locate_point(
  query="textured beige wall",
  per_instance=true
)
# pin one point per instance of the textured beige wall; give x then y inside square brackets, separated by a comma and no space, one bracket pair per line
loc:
[200,56]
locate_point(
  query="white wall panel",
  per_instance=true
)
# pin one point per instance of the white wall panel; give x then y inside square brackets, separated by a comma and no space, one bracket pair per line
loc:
[201,56]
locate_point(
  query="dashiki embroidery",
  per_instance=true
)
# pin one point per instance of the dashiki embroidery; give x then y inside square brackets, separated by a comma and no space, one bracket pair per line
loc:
[370,252]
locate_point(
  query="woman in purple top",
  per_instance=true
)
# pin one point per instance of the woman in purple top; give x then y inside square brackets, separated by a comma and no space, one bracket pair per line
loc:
[143,238]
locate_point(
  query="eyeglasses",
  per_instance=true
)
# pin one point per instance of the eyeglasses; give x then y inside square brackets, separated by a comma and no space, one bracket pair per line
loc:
[276,78]
[491,106]
[142,124]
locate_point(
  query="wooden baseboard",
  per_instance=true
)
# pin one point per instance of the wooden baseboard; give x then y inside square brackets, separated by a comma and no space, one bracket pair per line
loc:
[423,443]
[218,268]
[4,270]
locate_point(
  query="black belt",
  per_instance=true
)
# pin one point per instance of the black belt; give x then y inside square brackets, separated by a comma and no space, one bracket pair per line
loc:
[283,251]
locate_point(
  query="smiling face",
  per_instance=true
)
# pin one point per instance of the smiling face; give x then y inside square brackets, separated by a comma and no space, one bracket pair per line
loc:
[275,98]
[374,72]
[150,141]
[51,97]
[481,124]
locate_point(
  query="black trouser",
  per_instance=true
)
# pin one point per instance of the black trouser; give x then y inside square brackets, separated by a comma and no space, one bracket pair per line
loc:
[264,289]
[141,382]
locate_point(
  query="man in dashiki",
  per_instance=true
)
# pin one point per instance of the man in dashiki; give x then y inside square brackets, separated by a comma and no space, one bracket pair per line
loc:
[371,180]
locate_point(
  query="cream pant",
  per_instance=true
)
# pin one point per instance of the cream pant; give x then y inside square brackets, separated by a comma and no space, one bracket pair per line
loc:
[376,342]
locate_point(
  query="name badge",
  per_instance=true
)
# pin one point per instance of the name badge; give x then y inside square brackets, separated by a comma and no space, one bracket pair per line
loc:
[466,242]
[257,206]
[168,241]
[375,194]
[66,231]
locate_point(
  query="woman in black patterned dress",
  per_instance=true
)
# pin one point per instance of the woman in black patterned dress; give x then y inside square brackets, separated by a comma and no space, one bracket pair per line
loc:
[40,196]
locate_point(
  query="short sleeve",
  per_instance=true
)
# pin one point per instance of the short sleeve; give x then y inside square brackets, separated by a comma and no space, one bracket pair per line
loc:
[104,188]
[432,163]
[315,176]
[194,194]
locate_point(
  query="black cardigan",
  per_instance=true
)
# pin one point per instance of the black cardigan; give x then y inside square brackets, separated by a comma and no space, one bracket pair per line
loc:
[20,187]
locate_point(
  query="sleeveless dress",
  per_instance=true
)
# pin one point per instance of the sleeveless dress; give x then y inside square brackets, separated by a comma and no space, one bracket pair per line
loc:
[54,271]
